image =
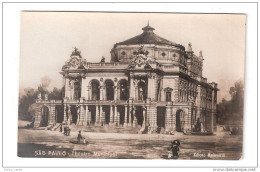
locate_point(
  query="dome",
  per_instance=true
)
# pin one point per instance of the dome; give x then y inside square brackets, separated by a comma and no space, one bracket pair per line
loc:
[148,37]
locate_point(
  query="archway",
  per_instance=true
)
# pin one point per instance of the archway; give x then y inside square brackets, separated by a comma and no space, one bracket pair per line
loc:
[161,117]
[95,90]
[92,110]
[106,109]
[180,120]
[74,113]
[109,89]
[142,93]
[123,89]
[45,116]
[139,115]
[121,110]
[59,113]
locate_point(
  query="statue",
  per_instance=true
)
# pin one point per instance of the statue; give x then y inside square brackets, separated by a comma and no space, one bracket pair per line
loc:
[103,59]
[189,46]
[141,93]
[69,116]
[46,96]
[78,114]
[39,96]
[76,52]
[200,55]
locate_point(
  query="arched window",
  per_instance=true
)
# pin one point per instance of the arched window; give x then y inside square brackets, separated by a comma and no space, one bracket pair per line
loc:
[95,90]
[123,89]
[109,89]
[142,95]
[168,94]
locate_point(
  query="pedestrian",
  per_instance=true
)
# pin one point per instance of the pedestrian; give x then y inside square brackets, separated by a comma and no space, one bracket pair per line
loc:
[79,137]
[84,140]
[65,131]
[68,131]
[175,148]
[61,128]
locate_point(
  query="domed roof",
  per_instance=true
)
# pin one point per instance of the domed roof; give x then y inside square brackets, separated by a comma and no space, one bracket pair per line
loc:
[148,37]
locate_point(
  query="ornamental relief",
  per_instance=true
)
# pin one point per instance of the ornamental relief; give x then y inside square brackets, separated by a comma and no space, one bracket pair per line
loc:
[76,61]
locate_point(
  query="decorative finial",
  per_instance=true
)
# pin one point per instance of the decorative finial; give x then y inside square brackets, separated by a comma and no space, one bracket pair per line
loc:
[103,59]
[189,46]
[76,52]
[200,55]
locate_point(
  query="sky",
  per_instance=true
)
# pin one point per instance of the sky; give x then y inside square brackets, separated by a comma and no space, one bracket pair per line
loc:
[48,38]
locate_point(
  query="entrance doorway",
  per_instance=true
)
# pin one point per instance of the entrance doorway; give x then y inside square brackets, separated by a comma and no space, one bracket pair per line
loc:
[74,113]
[45,116]
[59,113]
[180,120]
[106,109]
[121,110]
[139,115]
[161,117]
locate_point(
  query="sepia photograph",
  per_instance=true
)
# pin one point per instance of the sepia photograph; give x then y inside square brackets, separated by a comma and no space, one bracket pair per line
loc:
[118,85]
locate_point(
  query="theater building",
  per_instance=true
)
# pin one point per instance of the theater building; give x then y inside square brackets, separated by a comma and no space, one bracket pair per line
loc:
[150,83]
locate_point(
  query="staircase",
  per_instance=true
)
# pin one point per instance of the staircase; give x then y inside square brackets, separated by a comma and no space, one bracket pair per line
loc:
[106,129]
[56,126]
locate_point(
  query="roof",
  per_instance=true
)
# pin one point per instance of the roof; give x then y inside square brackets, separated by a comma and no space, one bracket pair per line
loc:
[148,37]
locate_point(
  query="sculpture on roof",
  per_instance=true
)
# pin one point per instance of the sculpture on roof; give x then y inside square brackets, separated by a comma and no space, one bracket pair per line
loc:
[76,52]
[200,53]
[103,59]
[189,46]
[141,50]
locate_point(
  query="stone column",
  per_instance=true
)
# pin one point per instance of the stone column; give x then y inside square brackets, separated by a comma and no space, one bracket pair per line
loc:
[130,116]
[67,88]
[131,92]
[135,120]
[82,115]
[86,116]
[69,115]
[101,93]
[65,119]
[52,114]
[152,113]
[125,120]
[111,120]
[187,118]
[168,117]
[144,117]
[116,116]
[102,116]
[97,116]
[173,122]
[151,87]
[115,92]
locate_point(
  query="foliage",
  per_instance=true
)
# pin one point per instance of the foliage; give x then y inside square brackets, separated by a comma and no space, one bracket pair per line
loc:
[231,112]
[27,101]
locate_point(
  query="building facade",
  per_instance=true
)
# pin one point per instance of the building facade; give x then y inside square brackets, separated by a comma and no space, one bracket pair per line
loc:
[150,83]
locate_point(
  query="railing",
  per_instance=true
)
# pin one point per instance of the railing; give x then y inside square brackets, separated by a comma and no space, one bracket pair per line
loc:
[107,65]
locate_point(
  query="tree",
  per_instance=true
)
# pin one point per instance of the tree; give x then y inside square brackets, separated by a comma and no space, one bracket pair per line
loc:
[232,111]
[26,102]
